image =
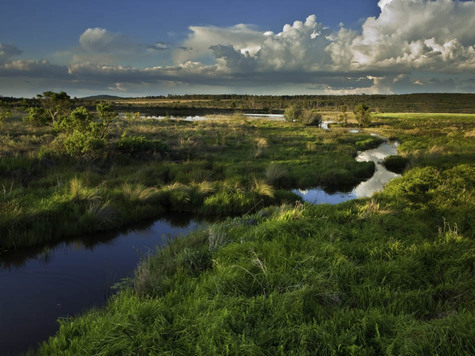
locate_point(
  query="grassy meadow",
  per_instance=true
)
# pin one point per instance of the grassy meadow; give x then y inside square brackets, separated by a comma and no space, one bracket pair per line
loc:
[393,274]
[228,166]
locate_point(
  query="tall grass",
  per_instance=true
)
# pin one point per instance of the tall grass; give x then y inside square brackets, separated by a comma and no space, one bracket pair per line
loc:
[214,175]
[388,275]
[364,277]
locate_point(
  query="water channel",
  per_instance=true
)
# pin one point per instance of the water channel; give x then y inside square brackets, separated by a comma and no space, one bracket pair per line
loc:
[376,183]
[39,286]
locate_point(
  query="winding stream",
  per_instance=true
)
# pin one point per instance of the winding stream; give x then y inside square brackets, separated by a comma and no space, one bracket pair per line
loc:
[376,183]
[39,286]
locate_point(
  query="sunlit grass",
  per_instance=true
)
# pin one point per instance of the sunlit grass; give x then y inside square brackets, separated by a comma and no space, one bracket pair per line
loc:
[388,275]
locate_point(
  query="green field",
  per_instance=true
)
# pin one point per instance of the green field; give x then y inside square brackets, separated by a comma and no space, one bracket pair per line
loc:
[388,275]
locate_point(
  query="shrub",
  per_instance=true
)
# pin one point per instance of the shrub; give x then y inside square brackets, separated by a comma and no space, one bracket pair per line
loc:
[293,113]
[79,120]
[311,117]
[363,115]
[36,116]
[80,143]
[138,144]
[306,117]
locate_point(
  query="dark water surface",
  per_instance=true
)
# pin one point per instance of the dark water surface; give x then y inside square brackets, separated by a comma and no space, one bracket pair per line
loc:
[39,286]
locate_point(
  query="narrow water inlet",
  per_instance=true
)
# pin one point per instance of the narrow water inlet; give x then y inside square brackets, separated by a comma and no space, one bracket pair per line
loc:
[365,189]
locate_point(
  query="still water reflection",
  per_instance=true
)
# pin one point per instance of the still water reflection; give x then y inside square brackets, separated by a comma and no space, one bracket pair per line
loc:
[39,286]
[376,183]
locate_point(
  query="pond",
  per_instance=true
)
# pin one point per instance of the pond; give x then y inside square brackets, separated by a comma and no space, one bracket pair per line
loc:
[40,286]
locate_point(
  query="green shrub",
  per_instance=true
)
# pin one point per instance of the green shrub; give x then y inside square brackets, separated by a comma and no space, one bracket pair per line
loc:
[363,115]
[135,145]
[36,116]
[79,120]
[80,143]
[293,113]
[311,117]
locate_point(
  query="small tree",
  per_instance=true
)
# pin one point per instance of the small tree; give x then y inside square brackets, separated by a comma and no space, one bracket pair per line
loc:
[311,117]
[363,115]
[53,108]
[106,114]
[343,116]
[293,113]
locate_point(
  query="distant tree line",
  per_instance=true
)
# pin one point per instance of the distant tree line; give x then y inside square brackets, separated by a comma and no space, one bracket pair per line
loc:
[461,103]
[431,102]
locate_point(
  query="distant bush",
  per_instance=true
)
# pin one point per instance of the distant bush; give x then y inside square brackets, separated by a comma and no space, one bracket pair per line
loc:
[363,115]
[303,116]
[311,117]
[139,144]
[293,113]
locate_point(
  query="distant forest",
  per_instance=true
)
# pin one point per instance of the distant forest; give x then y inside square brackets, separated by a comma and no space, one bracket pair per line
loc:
[204,103]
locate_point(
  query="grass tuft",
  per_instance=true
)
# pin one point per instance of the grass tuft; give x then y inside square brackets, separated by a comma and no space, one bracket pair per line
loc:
[276,175]
[261,187]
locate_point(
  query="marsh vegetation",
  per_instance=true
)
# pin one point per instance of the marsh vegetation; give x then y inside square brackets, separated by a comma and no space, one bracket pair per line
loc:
[390,274]
[85,174]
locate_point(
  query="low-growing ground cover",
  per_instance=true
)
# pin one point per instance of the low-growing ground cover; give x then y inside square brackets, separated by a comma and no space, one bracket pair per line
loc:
[388,275]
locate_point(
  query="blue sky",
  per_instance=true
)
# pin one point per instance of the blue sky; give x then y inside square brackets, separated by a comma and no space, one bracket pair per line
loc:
[260,47]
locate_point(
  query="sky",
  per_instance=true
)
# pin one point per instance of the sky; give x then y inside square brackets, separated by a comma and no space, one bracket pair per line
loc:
[145,47]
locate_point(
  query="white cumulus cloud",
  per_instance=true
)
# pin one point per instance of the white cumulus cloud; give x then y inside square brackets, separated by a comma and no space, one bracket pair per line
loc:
[409,35]
[412,45]
[197,46]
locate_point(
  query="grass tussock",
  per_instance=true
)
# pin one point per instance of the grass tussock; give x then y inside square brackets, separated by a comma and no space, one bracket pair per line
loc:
[276,175]
[261,187]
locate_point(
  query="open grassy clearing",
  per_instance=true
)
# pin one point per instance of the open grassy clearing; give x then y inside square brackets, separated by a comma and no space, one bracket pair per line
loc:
[393,274]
